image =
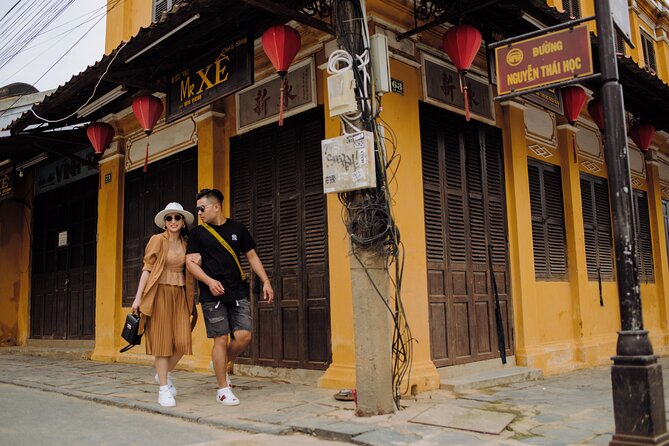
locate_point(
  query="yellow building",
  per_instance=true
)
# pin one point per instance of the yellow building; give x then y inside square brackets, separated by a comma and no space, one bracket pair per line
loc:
[517,177]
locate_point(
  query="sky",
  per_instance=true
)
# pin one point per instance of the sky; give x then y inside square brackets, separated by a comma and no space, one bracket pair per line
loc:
[33,64]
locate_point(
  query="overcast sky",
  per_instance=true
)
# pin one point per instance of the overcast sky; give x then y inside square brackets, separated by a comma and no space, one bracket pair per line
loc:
[32,63]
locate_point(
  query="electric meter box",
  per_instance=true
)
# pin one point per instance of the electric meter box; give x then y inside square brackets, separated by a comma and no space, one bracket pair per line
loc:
[348,162]
[341,93]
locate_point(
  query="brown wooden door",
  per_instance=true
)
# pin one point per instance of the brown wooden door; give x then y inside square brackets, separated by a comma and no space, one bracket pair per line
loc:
[464,213]
[171,179]
[277,192]
[665,212]
[63,278]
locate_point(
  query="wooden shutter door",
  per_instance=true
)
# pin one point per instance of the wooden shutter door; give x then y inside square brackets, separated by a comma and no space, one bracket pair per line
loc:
[171,179]
[464,213]
[277,191]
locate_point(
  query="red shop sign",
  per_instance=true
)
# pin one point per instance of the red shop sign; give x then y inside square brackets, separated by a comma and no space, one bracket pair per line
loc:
[544,60]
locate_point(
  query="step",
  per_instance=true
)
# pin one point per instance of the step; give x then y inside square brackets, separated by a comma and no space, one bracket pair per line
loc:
[491,378]
[53,349]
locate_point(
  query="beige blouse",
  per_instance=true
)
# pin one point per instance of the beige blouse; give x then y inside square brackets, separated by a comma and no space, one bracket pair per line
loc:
[175,262]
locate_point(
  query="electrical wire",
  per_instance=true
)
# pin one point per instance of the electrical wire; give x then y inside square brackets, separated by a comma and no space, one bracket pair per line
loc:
[18,98]
[368,214]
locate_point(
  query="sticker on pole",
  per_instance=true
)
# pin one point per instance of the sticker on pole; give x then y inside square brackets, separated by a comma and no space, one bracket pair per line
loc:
[348,162]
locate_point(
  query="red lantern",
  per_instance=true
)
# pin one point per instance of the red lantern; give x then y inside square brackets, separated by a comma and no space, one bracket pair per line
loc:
[100,134]
[573,98]
[596,112]
[281,44]
[461,43]
[147,110]
[642,135]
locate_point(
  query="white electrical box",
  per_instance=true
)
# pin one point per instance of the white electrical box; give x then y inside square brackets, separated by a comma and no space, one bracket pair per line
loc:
[348,162]
[341,93]
[378,48]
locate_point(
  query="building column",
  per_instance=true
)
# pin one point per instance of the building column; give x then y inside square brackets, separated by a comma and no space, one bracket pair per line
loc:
[109,268]
[584,307]
[521,252]
[341,372]
[658,236]
[213,163]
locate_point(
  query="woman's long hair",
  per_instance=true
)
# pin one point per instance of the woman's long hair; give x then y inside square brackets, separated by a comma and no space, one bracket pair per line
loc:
[184,233]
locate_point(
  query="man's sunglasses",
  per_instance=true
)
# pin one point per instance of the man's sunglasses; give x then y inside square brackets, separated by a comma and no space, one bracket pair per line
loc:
[201,208]
[176,217]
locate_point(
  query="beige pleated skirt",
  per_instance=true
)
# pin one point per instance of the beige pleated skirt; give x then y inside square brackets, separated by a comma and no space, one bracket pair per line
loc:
[168,328]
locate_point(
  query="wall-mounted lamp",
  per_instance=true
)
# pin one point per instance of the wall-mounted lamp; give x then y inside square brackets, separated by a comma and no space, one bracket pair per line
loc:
[101,101]
[20,167]
[167,35]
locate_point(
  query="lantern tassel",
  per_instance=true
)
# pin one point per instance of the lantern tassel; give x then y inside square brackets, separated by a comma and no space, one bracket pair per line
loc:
[283,84]
[146,158]
[465,90]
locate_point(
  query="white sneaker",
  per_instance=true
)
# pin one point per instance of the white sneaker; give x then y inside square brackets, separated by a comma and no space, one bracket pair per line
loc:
[226,397]
[165,397]
[173,390]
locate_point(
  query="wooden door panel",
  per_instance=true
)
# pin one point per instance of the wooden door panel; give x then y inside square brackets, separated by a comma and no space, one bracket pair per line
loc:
[464,214]
[276,190]
[171,179]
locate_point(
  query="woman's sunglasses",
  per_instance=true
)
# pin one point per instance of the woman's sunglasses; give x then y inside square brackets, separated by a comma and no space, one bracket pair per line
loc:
[176,217]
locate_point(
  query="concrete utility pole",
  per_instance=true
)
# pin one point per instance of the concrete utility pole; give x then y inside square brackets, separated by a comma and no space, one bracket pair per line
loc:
[369,279]
[638,395]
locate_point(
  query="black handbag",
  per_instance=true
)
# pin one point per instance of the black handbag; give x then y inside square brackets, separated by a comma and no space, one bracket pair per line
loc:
[131,332]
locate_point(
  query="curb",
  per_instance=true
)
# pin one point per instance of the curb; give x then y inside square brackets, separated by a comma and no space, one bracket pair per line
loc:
[232,424]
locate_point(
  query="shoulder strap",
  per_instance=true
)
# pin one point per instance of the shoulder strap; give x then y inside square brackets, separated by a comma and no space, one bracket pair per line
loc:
[227,247]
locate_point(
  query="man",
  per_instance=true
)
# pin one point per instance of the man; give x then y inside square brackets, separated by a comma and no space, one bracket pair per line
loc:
[225,306]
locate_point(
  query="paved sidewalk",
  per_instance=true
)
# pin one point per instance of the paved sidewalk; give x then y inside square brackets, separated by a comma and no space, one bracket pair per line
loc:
[573,408]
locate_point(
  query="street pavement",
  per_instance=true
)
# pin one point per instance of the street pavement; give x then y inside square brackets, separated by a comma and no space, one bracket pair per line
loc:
[569,409]
[31,417]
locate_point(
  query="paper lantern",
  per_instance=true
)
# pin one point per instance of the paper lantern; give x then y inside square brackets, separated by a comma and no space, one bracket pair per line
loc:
[281,44]
[596,112]
[147,110]
[642,135]
[461,43]
[573,98]
[100,134]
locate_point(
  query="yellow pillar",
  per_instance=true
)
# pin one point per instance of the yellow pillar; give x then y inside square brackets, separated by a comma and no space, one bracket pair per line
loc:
[212,172]
[658,236]
[521,254]
[583,305]
[341,372]
[109,268]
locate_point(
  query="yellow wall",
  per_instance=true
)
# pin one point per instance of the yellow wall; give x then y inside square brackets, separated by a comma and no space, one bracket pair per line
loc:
[124,19]
[15,243]
[559,326]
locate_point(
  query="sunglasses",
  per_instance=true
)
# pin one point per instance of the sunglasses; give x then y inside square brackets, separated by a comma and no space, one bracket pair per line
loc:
[202,208]
[177,217]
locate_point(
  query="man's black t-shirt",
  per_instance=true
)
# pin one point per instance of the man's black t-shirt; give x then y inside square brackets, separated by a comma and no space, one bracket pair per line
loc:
[217,262]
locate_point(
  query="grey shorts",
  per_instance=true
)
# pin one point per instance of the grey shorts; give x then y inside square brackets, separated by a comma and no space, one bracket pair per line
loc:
[221,319]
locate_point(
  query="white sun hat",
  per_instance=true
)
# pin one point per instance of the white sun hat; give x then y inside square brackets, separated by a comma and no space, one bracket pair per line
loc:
[173,208]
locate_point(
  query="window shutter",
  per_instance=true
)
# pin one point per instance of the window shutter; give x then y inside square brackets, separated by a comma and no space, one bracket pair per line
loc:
[620,43]
[434,212]
[648,51]
[572,7]
[161,6]
[597,227]
[548,236]
[644,246]
[665,212]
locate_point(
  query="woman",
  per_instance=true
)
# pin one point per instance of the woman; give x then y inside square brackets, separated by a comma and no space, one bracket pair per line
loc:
[165,297]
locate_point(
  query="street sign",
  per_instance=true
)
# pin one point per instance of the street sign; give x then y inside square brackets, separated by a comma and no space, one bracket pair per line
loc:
[621,19]
[544,60]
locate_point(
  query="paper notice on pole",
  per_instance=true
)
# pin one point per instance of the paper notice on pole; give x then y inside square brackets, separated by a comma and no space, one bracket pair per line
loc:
[348,162]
